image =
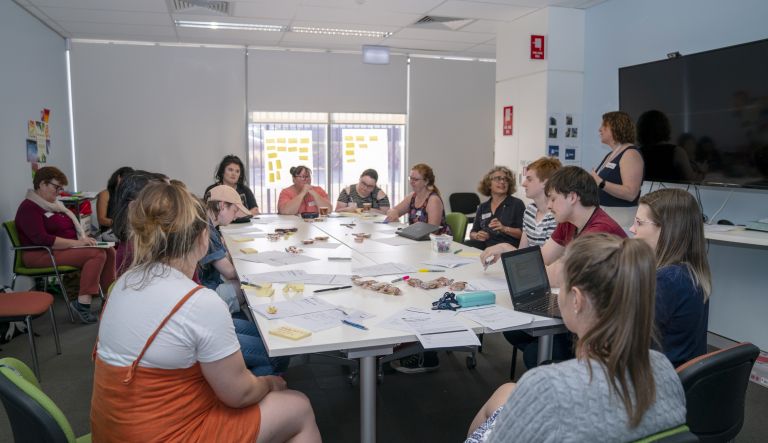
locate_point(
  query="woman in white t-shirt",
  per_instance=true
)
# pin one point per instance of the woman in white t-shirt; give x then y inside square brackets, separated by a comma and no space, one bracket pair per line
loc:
[167,344]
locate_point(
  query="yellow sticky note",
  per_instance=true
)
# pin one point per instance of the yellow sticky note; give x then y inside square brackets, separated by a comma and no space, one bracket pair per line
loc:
[292,149]
[303,149]
[270,148]
[271,177]
[269,166]
[304,157]
[348,138]
[362,145]
[351,160]
[270,140]
[293,141]
[248,250]
[304,141]
[279,164]
[350,152]
[360,138]
[373,138]
[281,140]
[278,175]
[350,145]
[272,155]
[469,254]
[281,149]
[243,239]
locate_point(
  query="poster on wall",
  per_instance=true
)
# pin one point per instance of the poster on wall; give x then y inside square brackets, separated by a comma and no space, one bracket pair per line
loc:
[284,149]
[38,141]
[563,137]
[507,120]
[363,149]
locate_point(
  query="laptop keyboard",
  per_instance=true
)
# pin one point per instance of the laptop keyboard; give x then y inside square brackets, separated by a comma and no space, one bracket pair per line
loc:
[545,304]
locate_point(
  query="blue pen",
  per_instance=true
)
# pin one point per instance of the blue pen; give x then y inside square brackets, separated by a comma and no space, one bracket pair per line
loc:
[354,325]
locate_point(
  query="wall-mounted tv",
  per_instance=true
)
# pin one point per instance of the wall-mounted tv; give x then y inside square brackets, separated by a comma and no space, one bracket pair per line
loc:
[702,118]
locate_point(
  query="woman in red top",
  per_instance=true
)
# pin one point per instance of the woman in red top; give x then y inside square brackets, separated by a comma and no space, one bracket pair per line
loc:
[302,196]
[43,221]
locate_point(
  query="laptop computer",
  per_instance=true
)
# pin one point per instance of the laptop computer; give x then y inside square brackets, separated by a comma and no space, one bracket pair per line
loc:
[528,283]
[418,231]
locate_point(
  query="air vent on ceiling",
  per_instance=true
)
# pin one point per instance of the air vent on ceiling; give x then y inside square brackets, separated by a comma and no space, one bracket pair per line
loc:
[438,22]
[201,6]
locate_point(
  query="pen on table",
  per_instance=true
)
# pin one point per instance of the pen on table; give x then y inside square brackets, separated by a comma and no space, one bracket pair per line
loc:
[403,278]
[331,289]
[253,285]
[457,251]
[354,325]
[431,270]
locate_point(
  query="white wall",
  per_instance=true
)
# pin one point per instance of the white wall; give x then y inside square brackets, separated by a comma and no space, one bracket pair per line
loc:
[626,32]
[33,73]
[451,121]
[174,110]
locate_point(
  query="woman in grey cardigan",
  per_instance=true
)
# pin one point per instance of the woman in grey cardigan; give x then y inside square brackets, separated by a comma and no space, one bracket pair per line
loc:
[616,389]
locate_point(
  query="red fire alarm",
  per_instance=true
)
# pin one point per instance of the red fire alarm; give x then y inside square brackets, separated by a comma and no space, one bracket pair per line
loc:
[537,47]
[507,120]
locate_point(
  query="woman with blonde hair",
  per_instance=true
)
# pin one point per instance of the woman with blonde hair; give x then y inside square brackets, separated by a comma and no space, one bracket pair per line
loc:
[169,345]
[670,221]
[500,218]
[424,204]
[607,300]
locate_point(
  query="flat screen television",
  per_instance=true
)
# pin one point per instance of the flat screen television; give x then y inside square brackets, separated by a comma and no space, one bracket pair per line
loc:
[702,118]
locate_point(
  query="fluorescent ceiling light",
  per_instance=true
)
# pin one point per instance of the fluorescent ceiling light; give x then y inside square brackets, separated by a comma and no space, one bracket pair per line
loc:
[230,26]
[277,28]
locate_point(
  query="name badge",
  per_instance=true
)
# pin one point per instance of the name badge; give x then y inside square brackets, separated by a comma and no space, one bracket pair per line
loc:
[418,213]
[48,214]
[486,215]
[610,165]
[311,203]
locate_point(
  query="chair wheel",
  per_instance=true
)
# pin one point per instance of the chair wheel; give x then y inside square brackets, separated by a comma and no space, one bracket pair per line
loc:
[471,362]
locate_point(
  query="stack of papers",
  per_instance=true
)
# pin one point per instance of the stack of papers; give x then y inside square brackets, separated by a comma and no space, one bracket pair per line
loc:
[292,308]
[497,317]
[489,284]
[385,269]
[434,329]
[449,261]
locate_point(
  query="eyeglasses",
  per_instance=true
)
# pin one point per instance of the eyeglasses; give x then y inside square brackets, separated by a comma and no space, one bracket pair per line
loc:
[366,185]
[641,222]
[500,178]
[414,179]
[303,177]
[56,186]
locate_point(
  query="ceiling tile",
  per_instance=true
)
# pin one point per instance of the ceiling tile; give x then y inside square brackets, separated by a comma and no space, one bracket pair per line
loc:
[451,36]
[102,16]
[421,7]
[487,26]
[315,14]
[380,28]
[225,36]
[283,9]
[356,42]
[490,11]
[138,31]
[427,45]
[113,5]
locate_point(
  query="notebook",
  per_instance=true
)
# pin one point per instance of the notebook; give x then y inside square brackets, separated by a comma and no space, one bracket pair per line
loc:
[418,231]
[528,283]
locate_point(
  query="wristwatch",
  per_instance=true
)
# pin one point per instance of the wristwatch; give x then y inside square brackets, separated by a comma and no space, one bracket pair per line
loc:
[602,184]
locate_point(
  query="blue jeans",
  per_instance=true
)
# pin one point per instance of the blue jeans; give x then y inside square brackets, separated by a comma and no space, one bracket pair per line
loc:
[254,352]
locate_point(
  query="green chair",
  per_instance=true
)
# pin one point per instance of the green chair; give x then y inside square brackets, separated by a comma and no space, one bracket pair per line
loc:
[680,434]
[458,223]
[44,273]
[34,417]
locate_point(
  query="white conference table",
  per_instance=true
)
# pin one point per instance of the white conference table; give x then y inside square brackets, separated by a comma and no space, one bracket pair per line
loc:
[364,345]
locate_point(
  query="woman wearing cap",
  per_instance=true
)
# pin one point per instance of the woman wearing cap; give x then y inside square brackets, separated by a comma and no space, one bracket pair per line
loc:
[41,220]
[178,374]
[364,193]
[302,196]
[230,172]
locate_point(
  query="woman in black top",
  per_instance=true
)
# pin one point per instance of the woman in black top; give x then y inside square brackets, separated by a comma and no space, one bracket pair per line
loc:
[620,175]
[230,172]
[500,218]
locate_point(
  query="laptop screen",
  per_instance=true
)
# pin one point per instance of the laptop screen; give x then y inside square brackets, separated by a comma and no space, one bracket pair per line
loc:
[526,273]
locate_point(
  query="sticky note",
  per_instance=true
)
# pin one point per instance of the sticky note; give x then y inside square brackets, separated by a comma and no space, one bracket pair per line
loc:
[362,145]
[360,138]
[304,141]
[293,141]
[350,145]
[290,332]
[279,164]
[281,140]
[303,157]
[269,166]
[272,155]
[270,140]
[350,152]
[348,138]
[292,149]
[270,148]
[373,138]
[244,240]
[271,177]
[350,160]
[278,175]
[303,149]
[248,250]
[281,149]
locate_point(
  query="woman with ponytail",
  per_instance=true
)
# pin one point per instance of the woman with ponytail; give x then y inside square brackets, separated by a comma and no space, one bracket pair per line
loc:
[616,389]
[424,204]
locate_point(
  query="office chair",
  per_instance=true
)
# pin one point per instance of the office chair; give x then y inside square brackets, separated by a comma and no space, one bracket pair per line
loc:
[24,306]
[33,415]
[20,269]
[466,203]
[458,223]
[680,434]
[715,387]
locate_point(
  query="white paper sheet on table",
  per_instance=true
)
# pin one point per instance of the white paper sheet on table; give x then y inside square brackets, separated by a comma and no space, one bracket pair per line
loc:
[395,241]
[497,317]
[276,258]
[241,230]
[320,321]
[489,284]
[449,261]
[298,276]
[384,269]
[326,279]
[397,322]
[321,245]
[441,330]
[290,308]
[246,237]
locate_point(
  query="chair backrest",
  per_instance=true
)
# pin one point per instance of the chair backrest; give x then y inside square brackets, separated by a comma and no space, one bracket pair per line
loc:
[13,236]
[464,202]
[33,415]
[715,387]
[458,223]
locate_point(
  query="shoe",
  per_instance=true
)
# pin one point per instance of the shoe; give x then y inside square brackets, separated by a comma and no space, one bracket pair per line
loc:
[415,365]
[85,315]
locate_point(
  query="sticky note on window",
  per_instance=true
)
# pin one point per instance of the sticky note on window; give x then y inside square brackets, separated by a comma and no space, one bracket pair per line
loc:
[278,175]
[348,138]
[350,145]
[279,164]
[272,155]
[270,140]
[281,140]
[271,177]
[269,166]
[292,148]
[304,157]
[362,145]
[270,148]
[350,152]
[373,138]
[303,149]
[293,141]
[350,160]
[281,149]
[360,138]
[304,141]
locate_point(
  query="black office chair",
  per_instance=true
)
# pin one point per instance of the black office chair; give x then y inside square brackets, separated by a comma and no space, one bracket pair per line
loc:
[715,388]
[466,203]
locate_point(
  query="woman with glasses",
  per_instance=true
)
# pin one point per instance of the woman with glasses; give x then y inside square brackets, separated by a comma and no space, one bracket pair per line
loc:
[500,218]
[302,197]
[42,220]
[231,172]
[364,195]
[669,220]
[617,388]
[424,204]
